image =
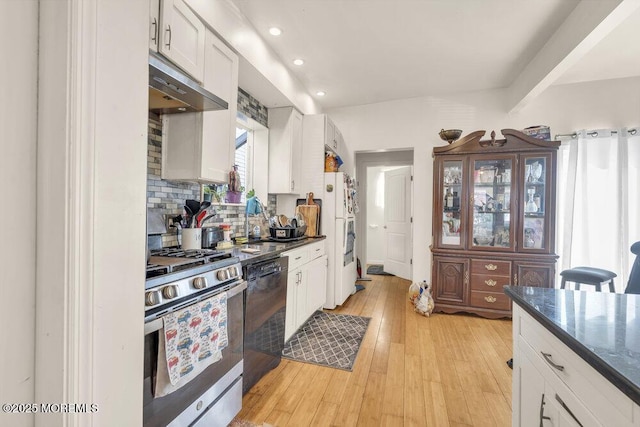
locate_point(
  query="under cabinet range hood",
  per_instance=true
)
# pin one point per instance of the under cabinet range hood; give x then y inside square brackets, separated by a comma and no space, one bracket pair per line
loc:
[172,91]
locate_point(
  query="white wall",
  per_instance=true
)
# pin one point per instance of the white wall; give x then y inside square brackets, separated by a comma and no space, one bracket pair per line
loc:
[18,109]
[226,20]
[416,122]
[91,180]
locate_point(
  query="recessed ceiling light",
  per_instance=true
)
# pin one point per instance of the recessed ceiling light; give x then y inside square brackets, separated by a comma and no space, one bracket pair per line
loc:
[321,93]
[298,61]
[275,31]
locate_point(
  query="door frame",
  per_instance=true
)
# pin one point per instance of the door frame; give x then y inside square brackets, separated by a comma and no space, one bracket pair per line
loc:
[365,159]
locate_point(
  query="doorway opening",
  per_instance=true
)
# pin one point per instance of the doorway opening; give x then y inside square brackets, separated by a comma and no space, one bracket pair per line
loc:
[385,218]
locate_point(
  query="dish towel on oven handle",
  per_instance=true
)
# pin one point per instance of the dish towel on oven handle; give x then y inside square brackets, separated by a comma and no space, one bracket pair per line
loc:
[192,339]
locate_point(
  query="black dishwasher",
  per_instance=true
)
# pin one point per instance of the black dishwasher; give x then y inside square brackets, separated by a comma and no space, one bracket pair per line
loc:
[264,318]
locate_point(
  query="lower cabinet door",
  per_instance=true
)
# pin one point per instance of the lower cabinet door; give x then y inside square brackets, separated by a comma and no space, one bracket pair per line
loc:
[451,280]
[301,297]
[290,313]
[316,285]
[538,275]
[528,393]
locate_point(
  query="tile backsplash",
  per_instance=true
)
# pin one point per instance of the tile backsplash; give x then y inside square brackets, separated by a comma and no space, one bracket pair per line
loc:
[169,197]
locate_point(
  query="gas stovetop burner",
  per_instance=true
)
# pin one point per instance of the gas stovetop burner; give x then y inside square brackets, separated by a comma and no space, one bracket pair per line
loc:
[187,253]
[171,260]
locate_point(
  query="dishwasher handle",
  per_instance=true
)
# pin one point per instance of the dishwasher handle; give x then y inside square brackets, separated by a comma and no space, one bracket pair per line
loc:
[267,268]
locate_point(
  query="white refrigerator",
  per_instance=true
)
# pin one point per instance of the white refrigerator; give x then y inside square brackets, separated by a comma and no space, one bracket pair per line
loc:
[338,224]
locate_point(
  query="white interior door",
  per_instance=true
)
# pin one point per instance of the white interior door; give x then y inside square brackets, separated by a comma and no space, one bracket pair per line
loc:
[397,222]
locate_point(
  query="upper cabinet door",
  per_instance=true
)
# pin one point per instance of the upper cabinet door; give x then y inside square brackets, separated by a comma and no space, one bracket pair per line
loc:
[182,37]
[535,178]
[330,134]
[219,127]
[154,25]
[221,70]
[492,225]
[285,150]
[451,207]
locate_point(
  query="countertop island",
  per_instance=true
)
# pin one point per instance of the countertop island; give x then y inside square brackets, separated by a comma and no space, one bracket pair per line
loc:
[582,347]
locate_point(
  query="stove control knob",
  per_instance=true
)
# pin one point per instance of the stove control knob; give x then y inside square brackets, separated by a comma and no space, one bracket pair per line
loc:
[200,282]
[233,272]
[222,275]
[170,291]
[151,298]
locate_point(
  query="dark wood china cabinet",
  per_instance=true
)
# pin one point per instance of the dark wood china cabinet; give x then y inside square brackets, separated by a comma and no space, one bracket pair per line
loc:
[493,220]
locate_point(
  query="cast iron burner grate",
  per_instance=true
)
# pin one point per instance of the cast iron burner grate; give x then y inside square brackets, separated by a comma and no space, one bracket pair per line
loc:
[190,253]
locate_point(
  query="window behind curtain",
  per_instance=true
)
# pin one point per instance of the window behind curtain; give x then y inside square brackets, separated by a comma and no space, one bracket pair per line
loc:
[598,203]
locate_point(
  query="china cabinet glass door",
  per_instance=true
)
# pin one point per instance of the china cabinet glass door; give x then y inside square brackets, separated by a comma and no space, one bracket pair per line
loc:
[491,225]
[534,233]
[452,219]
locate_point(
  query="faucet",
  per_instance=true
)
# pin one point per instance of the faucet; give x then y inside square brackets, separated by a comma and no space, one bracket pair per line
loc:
[263,211]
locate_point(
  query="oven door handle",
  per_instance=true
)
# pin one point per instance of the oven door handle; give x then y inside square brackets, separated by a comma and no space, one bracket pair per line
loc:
[157,324]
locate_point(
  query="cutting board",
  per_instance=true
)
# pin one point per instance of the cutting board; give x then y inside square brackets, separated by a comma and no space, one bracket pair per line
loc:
[310,211]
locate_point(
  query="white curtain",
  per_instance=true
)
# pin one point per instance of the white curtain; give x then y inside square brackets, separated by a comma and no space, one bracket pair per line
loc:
[598,200]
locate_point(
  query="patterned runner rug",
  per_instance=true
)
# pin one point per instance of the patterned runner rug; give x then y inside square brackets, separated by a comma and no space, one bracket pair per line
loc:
[331,340]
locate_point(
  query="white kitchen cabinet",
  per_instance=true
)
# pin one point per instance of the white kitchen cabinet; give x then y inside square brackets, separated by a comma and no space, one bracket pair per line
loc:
[330,134]
[550,380]
[293,280]
[200,147]
[285,150]
[319,135]
[316,285]
[178,34]
[306,285]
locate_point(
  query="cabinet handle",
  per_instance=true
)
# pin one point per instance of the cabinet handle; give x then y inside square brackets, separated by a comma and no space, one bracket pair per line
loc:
[154,39]
[515,279]
[566,408]
[490,282]
[542,416]
[466,277]
[490,299]
[169,31]
[293,184]
[491,267]
[547,357]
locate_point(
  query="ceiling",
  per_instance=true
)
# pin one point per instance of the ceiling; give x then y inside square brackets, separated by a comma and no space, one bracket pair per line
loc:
[367,51]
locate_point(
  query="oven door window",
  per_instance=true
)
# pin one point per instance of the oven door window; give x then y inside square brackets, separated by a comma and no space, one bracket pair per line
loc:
[160,411]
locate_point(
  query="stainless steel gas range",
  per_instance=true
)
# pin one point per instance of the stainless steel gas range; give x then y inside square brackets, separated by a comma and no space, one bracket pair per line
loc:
[178,282]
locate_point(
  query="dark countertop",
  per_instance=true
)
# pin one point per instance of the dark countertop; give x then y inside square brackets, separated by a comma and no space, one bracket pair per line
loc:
[268,249]
[602,328]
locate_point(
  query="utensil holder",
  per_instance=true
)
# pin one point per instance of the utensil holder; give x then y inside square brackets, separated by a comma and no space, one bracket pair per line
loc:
[191,238]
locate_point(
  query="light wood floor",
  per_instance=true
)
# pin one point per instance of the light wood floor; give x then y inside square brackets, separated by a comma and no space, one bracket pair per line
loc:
[444,370]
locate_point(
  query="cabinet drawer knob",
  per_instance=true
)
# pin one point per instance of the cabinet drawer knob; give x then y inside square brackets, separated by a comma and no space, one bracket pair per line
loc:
[490,299]
[490,282]
[491,267]
[548,358]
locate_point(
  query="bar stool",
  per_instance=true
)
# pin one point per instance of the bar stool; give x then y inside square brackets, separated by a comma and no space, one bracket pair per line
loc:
[588,276]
